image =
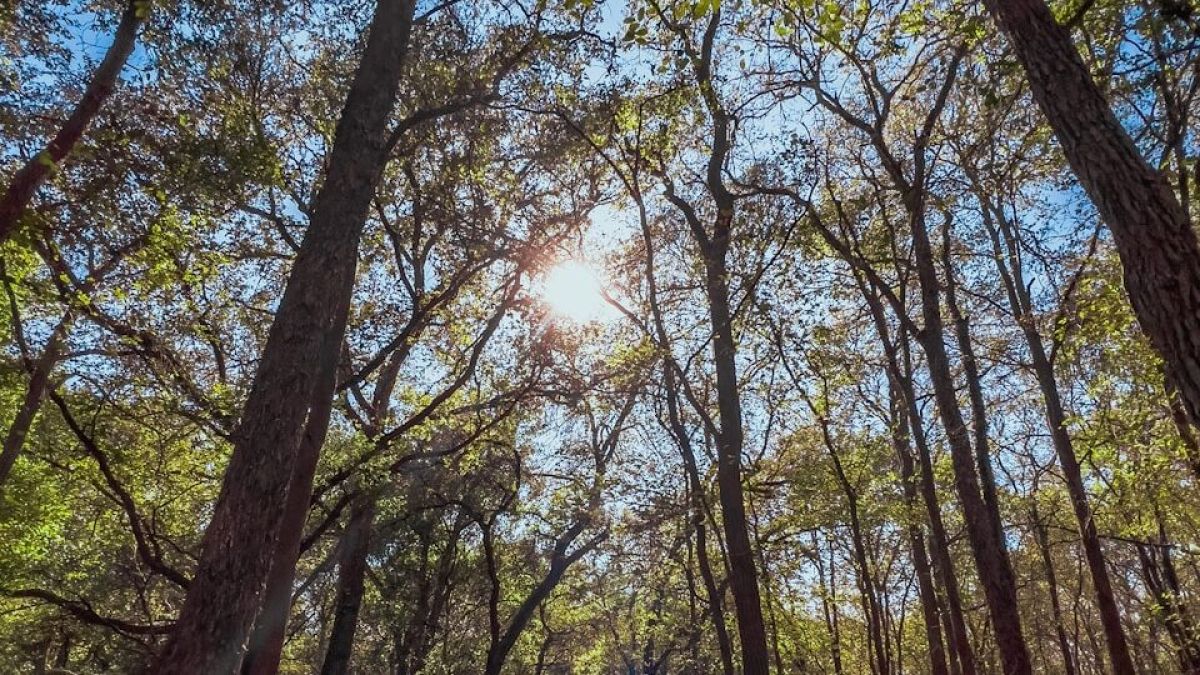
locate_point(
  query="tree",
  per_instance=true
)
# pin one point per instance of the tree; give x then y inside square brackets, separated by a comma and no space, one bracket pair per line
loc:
[26,181]
[1151,229]
[297,370]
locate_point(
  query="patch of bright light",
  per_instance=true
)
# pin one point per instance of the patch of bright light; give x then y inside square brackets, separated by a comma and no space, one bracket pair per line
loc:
[574,291]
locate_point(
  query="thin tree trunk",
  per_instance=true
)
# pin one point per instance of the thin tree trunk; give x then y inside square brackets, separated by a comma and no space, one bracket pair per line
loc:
[962,335]
[39,379]
[356,544]
[1060,628]
[1157,245]
[930,611]
[989,550]
[742,576]
[33,174]
[696,493]
[866,585]
[298,361]
[1013,280]
[679,431]
[829,606]
[900,363]
[560,561]
[419,636]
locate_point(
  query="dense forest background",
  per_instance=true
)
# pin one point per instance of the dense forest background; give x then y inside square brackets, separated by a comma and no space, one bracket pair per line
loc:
[540,336]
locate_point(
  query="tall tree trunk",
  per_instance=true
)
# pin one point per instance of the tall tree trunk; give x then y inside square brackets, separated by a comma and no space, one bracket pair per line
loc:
[104,81]
[988,549]
[696,494]
[1060,627]
[352,571]
[743,579]
[966,349]
[39,379]
[900,364]
[1013,279]
[866,583]
[270,628]
[298,362]
[1158,247]
[930,611]
[683,440]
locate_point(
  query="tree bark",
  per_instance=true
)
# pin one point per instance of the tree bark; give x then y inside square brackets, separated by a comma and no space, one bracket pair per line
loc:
[104,81]
[266,641]
[900,364]
[356,544]
[970,366]
[299,358]
[696,492]
[916,536]
[1154,237]
[560,561]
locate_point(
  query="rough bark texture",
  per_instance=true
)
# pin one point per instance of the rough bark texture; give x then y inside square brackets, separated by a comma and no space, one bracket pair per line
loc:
[104,81]
[1155,239]
[304,342]
[266,641]
[352,571]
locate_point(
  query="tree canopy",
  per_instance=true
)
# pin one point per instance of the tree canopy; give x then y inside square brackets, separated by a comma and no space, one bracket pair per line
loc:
[586,336]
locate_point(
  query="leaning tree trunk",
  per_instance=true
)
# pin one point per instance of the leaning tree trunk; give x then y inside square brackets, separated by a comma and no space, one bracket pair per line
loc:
[301,350]
[988,548]
[266,640]
[1013,280]
[34,173]
[352,571]
[39,379]
[1158,247]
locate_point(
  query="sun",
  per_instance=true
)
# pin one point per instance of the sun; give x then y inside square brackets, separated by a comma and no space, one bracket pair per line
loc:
[574,291]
